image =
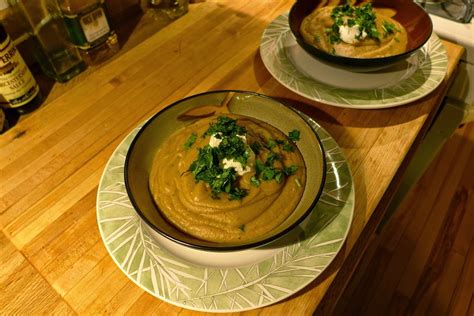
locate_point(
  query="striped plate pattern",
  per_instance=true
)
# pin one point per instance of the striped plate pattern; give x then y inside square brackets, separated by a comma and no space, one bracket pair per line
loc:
[433,64]
[184,284]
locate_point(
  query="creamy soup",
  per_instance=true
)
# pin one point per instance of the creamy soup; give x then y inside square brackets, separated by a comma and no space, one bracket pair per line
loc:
[228,178]
[354,31]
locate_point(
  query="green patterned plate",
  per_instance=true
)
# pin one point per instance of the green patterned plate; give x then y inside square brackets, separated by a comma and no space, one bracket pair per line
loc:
[432,66]
[174,279]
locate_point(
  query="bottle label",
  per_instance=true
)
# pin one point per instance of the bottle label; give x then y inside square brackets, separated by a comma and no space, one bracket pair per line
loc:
[17,84]
[94,24]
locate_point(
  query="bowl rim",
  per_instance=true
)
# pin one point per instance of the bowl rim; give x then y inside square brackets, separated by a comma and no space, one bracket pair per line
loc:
[229,247]
[353,61]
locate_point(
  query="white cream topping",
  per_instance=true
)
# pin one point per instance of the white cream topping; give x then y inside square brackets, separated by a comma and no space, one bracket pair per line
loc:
[214,141]
[231,163]
[349,34]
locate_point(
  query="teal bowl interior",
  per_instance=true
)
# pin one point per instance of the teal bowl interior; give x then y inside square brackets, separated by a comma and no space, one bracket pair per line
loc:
[140,157]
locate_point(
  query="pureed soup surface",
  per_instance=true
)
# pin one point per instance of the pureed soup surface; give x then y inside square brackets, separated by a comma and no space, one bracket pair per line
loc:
[227,200]
[355,31]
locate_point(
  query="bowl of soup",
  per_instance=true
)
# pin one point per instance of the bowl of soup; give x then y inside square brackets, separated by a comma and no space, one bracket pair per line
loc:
[360,34]
[224,171]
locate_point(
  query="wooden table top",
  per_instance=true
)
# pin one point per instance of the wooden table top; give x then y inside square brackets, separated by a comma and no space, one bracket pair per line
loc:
[52,256]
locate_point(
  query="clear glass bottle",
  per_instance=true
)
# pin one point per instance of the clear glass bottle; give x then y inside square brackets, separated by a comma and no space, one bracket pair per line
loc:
[170,9]
[18,88]
[57,56]
[89,29]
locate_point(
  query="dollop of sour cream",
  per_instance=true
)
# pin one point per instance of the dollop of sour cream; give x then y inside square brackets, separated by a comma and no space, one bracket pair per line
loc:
[349,34]
[214,141]
[230,163]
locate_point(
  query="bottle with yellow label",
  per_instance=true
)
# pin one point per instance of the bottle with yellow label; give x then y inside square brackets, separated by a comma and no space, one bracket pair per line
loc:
[18,87]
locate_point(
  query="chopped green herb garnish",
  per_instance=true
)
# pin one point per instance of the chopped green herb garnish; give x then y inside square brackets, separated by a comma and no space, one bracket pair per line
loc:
[255,182]
[271,143]
[226,127]
[279,176]
[288,147]
[294,135]
[362,16]
[190,141]
[388,28]
[298,182]
[290,170]
[237,194]
[317,38]
[242,227]
[208,167]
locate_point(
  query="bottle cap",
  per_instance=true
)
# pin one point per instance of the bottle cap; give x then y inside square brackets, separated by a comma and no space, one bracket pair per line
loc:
[4,4]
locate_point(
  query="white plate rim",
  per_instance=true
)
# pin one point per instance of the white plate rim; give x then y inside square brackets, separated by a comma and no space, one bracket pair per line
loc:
[349,206]
[280,67]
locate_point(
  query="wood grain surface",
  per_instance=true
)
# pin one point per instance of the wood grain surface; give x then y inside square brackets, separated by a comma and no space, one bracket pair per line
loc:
[423,261]
[52,160]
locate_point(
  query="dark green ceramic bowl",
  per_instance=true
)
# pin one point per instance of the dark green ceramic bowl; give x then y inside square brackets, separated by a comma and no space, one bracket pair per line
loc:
[140,156]
[409,14]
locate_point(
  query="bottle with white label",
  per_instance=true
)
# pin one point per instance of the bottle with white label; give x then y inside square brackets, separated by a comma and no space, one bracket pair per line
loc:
[89,28]
[18,88]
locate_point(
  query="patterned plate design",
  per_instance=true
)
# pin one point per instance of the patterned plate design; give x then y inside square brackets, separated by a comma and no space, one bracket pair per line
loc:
[433,66]
[188,285]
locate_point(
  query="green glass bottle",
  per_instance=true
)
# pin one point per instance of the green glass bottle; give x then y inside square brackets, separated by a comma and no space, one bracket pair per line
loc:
[89,28]
[18,87]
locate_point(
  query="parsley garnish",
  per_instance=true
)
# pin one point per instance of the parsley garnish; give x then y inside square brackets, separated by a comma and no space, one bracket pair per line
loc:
[388,28]
[226,127]
[294,135]
[290,170]
[255,182]
[271,143]
[287,147]
[208,165]
[207,168]
[266,171]
[364,17]
[190,141]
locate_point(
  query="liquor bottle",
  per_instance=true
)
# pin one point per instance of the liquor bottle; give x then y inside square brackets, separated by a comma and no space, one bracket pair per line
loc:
[89,29]
[49,39]
[18,87]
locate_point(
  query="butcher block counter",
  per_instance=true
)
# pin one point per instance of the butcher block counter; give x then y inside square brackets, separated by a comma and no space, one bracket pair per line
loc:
[53,259]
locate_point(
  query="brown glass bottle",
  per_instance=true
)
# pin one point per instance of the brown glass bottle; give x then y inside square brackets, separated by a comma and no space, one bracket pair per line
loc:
[18,88]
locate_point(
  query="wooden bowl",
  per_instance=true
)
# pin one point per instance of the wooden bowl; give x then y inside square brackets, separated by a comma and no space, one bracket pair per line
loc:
[409,14]
[140,156]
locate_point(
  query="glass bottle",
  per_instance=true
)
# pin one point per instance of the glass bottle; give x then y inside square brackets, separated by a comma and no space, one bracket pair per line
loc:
[57,57]
[171,9]
[89,29]
[18,88]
